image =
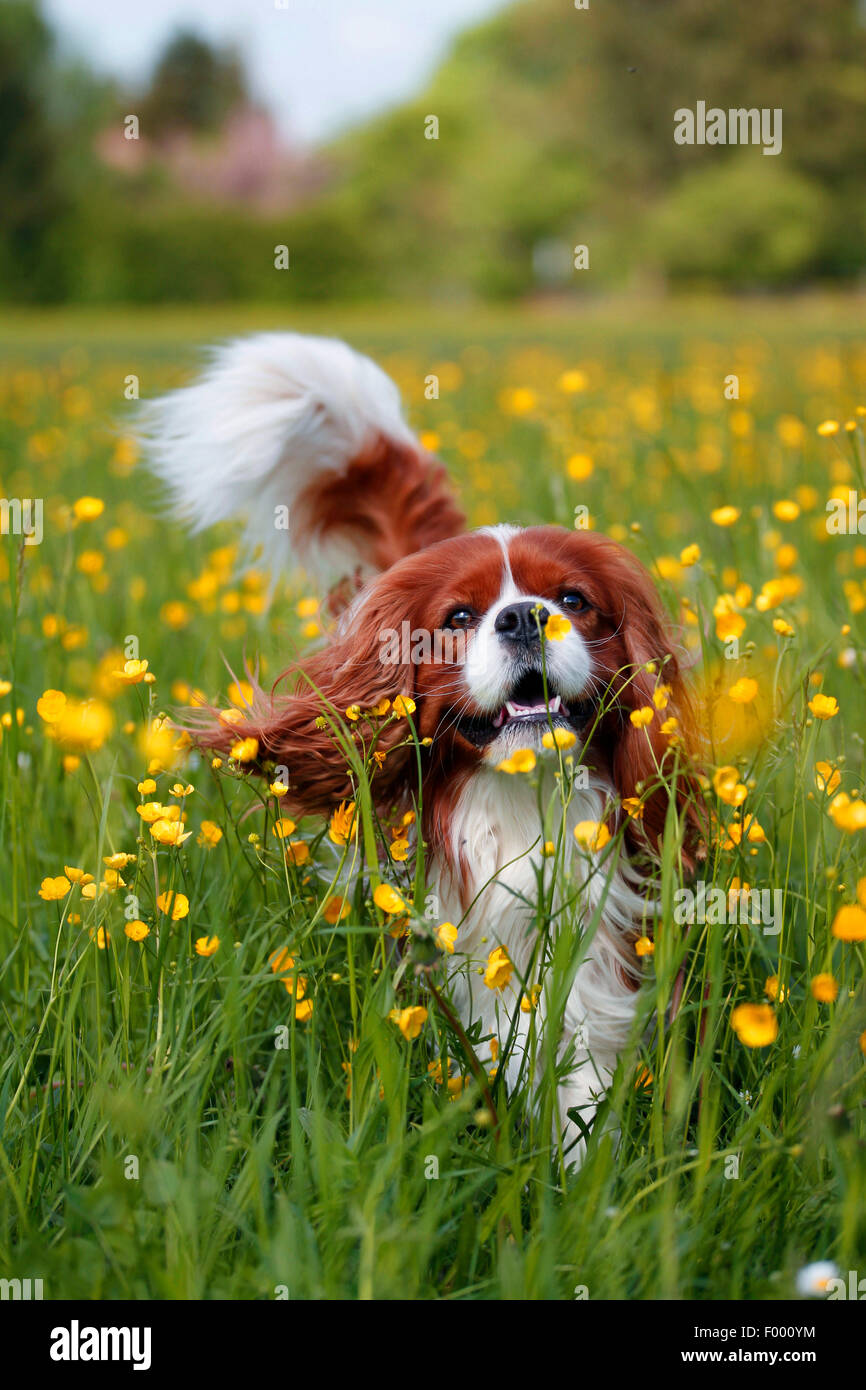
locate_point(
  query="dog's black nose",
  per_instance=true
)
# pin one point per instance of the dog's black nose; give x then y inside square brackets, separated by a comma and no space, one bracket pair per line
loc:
[519,622]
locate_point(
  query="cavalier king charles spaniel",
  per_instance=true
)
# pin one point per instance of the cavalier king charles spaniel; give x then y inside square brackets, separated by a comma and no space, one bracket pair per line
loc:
[303,439]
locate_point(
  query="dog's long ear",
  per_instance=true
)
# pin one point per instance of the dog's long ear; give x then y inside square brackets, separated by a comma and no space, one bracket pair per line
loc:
[302,723]
[302,441]
[641,750]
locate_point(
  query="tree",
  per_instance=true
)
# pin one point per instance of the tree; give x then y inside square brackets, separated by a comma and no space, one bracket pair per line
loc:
[194,87]
[32,194]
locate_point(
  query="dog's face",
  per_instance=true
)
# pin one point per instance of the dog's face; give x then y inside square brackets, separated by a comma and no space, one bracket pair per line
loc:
[484,681]
[458,627]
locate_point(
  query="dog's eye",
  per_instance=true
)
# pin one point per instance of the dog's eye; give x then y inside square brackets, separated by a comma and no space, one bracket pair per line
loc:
[573,601]
[460,617]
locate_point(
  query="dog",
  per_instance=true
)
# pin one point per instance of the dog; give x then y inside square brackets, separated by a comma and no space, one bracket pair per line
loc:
[556,649]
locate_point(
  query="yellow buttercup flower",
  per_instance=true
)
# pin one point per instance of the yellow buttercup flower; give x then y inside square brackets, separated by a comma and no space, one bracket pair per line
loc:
[580,467]
[773,989]
[388,899]
[591,835]
[137,930]
[209,834]
[446,937]
[50,705]
[784,629]
[182,789]
[847,814]
[824,706]
[304,1010]
[786,510]
[849,924]
[278,789]
[78,875]
[230,717]
[573,380]
[53,889]
[743,691]
[336,909]
[399,850]
[133,672]
[827,428]
[88,508]
[410,1021]
[725,516]
[690,555]
[240,694]
[640,718]
[174,905]
[83,725]
[207,945]
[246,750]
[115,861]
[559,738]
[728,787]
[499,969]
[556,628]
[728,625]
[753,832]
[755,1024]
[644,946]
[342,823]
[827,778]
[521,760]
[824,988]
[169,832]
[403,705]
[529,1002]
[283,827]
[297,852]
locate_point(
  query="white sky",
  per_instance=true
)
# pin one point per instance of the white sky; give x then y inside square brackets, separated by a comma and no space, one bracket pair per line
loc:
[319,65]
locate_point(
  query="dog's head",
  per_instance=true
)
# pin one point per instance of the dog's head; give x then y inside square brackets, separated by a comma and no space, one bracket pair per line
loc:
[500,637]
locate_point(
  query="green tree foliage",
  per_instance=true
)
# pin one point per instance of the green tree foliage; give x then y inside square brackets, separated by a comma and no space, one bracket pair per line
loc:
[32,195]
[194,87]
[555,127]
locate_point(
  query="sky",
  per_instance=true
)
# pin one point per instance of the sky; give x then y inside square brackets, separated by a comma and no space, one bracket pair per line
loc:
[319,65]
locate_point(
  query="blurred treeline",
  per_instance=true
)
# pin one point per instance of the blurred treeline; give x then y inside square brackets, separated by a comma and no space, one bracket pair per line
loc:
[555,128]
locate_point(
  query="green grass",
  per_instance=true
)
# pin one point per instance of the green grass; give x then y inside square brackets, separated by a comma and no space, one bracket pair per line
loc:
[254,1171]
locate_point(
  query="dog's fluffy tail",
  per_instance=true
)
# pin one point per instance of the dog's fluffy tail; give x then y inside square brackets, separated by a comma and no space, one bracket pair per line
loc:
[303,441]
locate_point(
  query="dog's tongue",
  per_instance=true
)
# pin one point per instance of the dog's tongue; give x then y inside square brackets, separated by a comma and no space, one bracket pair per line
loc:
[513,710]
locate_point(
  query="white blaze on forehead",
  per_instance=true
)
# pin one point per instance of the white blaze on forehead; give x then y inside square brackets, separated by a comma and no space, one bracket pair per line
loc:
[504,534]
[490,668]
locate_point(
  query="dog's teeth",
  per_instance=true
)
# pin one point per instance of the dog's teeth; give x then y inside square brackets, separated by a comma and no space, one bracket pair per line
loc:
[510,708]
[555,704]
[499,720]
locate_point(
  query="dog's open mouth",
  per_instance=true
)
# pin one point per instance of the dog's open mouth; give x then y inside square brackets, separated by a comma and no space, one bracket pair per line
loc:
[527,708]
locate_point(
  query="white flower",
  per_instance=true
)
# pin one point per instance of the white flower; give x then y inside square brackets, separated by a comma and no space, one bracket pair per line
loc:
[812,1280]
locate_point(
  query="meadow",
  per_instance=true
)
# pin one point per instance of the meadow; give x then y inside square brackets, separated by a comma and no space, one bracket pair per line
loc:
[220,1079]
